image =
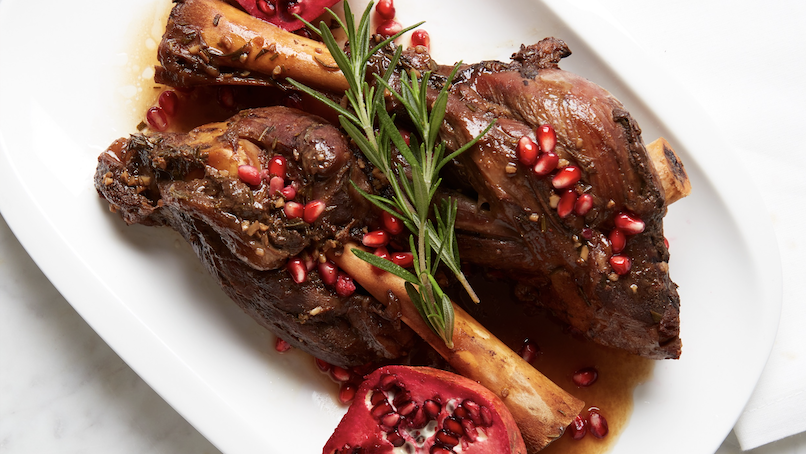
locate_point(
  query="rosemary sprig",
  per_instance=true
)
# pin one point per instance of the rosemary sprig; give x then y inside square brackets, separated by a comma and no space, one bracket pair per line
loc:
[373,130]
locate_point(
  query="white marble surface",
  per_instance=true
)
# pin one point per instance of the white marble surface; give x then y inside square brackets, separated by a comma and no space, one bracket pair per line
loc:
[62,389]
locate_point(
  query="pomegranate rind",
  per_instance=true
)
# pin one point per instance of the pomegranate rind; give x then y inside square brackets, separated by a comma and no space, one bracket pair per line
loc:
[359,428]
[283,18]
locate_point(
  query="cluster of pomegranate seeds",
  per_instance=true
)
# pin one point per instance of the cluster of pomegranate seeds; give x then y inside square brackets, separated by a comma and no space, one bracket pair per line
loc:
[393,406]
[626,225]
[594,422]
[347,379]
[540,156]
[330,274]
[159,117]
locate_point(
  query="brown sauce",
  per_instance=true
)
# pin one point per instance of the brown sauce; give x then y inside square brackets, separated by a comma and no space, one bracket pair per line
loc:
[561,353]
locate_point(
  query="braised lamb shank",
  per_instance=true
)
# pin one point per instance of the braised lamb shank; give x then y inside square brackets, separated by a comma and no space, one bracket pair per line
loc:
[584,239]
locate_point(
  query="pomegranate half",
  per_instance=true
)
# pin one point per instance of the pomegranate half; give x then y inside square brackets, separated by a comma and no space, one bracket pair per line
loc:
[423,410]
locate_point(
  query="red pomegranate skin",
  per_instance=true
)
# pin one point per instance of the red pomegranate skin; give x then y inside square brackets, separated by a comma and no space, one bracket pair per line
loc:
[487,426]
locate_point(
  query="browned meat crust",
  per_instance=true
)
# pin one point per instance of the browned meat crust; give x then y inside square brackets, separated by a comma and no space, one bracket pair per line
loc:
[182,181]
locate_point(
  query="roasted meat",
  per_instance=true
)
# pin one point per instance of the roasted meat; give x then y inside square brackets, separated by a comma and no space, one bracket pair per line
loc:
[607,281]
[242,233]
[557,251]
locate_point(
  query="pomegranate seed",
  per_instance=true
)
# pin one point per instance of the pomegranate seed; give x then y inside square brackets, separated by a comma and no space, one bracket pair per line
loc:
[621,264]
[388,381]
[388,28]
[587,233]
[278,166]
[404,259]
[328,272]
[391,223]
[344,285]
[526,151]
[288,192]
[421,38]
[629,223]
[447,437]
[406,136]
[249,175]
[383,253]
[578,428]
[347,393]
[546,163]
[473,410]
[157,118]
[276,186]
[313,210]
[486,417]
[469,429]
[266,7]
[597,423]
[381,409]
[407,408]
[666,242]
[547,138]
[281,345]
[390,419]
[618,241]
[431,408]
[293,210]
[322,365]
[375,238]
[395,439]
[340,374]
[296,268]
[567,201]
[566,177]
[226,97]
[586,376]
[295,8]
[386,9]
[529,351]
[452,425]
[376,398]
[168,100]
[583,205]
